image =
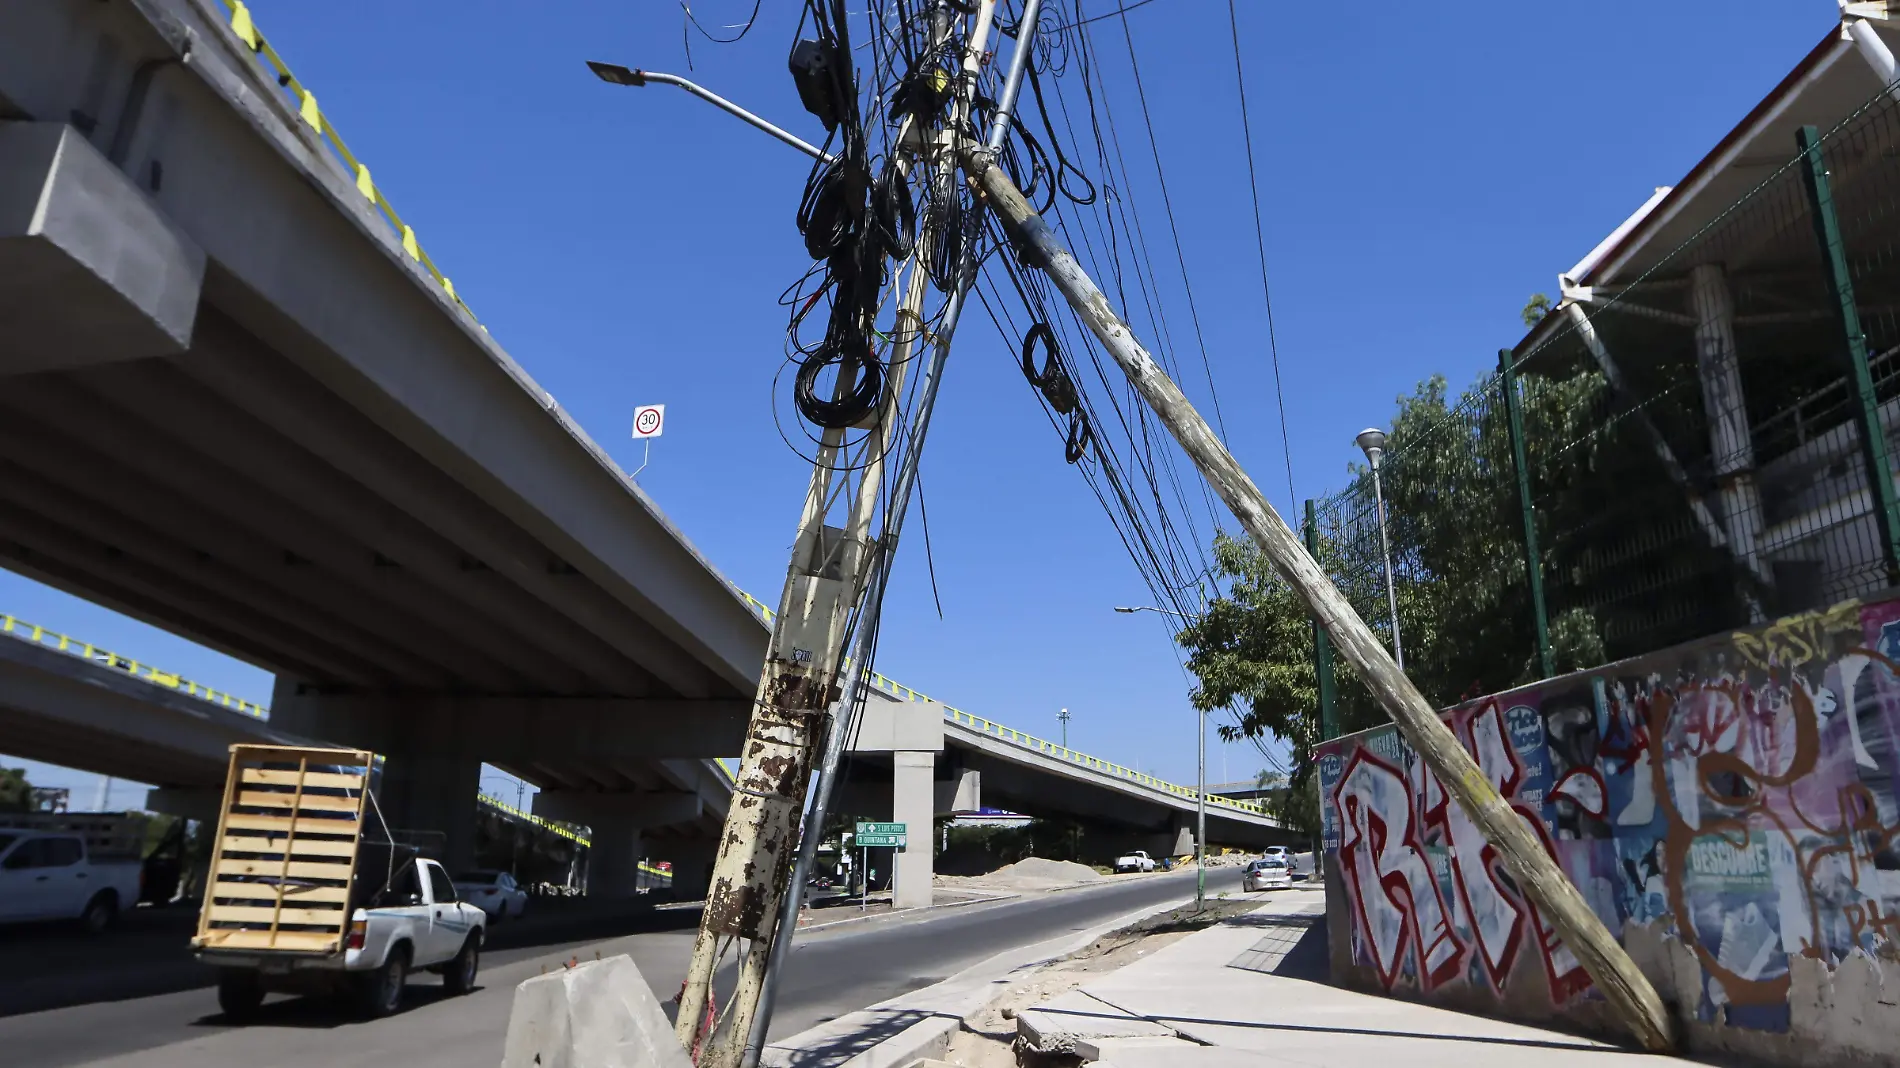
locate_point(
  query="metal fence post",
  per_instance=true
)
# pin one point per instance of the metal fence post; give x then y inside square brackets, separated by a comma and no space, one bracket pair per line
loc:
[1533,568]
[1873,438]
[1322,646]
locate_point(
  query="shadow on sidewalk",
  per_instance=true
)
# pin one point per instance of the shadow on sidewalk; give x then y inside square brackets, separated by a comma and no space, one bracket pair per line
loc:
[883,1024]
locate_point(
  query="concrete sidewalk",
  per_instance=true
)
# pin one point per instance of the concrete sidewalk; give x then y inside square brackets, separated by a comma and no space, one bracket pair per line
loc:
[1252,992]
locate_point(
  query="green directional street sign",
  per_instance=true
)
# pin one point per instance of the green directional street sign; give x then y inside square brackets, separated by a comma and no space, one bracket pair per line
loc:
[883,828]
[873,841]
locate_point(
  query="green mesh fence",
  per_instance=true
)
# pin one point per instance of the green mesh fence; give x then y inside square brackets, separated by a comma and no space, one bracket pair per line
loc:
[1691,431]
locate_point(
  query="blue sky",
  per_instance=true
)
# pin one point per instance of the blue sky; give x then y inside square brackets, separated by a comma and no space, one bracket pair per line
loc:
[1421,175]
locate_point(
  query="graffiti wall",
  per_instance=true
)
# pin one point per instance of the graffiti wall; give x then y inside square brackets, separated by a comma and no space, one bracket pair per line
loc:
[1729,807]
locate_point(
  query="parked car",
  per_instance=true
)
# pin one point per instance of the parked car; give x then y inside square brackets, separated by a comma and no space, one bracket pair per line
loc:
[494,892]
[1267,873]
[1134,860]
[53,876]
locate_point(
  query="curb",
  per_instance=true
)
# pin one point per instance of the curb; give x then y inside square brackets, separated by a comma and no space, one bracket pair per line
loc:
[954,998]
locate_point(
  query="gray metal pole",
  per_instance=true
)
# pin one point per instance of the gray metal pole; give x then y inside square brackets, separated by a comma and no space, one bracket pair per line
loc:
[1385,555]
[1013,84]
[873,607]
[1200,820]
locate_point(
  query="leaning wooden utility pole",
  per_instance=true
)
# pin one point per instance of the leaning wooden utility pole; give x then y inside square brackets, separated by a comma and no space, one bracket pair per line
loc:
[1536,872]
[791,714]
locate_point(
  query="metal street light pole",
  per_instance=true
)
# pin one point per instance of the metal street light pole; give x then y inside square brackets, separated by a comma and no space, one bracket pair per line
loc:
[1200,774]
[1063,716]
[1372,442]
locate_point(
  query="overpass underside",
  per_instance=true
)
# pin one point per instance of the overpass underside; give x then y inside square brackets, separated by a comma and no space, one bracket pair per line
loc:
[234,403]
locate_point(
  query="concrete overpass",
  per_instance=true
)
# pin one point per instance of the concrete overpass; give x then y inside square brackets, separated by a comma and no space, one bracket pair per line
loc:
[66,702]
[918,759]
[242,403]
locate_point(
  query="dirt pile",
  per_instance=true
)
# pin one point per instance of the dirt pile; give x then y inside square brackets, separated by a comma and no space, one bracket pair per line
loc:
[1032,873]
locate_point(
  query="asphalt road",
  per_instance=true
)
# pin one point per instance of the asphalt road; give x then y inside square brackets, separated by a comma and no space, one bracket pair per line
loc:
[831,972]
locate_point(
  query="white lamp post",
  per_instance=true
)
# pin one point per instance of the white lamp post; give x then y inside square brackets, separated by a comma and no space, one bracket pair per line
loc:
[1372,442]
[1200,775]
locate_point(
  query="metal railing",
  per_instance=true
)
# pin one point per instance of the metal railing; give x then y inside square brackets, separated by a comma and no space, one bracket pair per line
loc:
[38,635]
[21,630]
[243,29]
[1030,741]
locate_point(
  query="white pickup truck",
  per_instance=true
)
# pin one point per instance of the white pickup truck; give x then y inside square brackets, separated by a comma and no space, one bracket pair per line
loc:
[415,924]
[51,875]
[310,893]
[1135,860]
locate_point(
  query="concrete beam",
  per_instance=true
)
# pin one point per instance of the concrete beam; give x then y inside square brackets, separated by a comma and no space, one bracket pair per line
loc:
[251,499]
[28,497]
[889,726]
[23,560]
[639,810]
[203,804]
[526,731]
[296,405]
[394,611]
[275,639]
[90,269]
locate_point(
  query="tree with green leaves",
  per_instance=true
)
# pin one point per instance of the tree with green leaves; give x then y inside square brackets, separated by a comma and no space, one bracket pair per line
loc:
[16,794]
[1455,523]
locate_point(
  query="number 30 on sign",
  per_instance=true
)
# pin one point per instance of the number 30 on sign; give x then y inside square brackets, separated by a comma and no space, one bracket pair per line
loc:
[649,420]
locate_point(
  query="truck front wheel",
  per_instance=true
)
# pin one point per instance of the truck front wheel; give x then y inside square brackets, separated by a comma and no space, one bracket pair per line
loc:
[380,992]
[459,976]
[239,994]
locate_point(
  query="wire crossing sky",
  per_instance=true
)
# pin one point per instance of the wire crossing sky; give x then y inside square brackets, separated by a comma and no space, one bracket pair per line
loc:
[1417,178]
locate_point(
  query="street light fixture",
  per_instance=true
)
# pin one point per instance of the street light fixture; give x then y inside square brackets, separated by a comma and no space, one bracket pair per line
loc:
[1200,774]
[615,74]
[1371,441]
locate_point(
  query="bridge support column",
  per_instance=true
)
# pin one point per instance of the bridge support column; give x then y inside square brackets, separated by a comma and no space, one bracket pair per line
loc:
[433,794]
[615,824]
[200,803]
[914,803]
[692,862]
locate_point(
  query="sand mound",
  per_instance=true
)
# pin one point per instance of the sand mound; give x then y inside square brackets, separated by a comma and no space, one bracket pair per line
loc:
[1058,872]
[1032,873]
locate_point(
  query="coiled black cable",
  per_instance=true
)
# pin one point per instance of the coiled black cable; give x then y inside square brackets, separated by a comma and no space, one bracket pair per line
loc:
[1053,380]
[864,372]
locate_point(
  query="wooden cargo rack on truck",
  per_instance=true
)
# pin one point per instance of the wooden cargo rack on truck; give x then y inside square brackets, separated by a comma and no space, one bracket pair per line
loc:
[284,861]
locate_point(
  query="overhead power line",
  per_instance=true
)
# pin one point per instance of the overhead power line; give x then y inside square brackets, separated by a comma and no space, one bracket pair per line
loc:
[1260,242]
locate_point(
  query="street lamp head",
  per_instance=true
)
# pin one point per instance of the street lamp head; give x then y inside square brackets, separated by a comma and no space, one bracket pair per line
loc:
[617,74]
[1125,610]
[1371,441]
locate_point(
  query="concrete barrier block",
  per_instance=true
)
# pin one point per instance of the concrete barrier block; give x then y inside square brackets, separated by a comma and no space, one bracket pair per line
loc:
[600,1014]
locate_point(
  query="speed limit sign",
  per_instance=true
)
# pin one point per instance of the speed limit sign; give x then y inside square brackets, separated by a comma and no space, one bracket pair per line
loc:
[649,420]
